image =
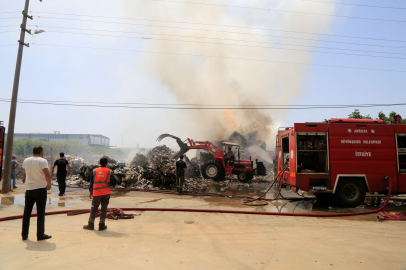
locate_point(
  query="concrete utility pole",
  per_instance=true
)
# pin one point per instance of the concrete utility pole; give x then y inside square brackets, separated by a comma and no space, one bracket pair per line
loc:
[13,105]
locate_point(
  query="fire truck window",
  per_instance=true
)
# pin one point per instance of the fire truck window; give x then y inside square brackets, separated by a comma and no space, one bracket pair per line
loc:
[402,163]
[285,149]
[401,141]
[312,154]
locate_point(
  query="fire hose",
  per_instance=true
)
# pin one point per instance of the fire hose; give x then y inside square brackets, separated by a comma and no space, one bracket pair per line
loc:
[250,199]
[225,211]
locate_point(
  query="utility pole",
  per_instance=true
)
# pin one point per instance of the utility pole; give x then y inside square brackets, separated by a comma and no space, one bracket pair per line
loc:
[13,105]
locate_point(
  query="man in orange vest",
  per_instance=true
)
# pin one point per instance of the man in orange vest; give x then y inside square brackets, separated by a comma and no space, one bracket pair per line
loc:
[99,188]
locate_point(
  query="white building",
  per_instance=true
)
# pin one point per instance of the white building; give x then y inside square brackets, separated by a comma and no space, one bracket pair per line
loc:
[86,139]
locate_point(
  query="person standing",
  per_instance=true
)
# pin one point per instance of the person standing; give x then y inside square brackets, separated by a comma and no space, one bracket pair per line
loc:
[61,172]
[180,174]
[101,180]
[38,181]
[14,165]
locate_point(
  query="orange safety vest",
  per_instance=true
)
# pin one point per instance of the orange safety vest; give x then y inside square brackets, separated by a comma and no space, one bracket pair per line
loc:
[101,181]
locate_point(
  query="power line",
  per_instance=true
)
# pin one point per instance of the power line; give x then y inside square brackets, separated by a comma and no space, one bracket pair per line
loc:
[280,10]
[223,57]
[10,18]
[10,31]
[207,105]
[7,44]
[10,12]
[8,25]
[346,4]
[319,40]
[200,108]
[207,24]
[240,45]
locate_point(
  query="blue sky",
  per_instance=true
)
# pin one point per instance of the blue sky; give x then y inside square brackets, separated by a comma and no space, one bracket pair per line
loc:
[73,74]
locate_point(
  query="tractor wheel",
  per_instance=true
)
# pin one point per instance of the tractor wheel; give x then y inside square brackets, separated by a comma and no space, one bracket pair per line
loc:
[243,176]
[212,170]
[349,192]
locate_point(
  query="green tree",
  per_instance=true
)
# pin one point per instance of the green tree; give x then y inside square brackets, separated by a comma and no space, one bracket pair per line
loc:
[391,118]
[357,115]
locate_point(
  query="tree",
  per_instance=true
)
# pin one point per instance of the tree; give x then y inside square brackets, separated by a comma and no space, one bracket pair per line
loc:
[391,118]
[357,115]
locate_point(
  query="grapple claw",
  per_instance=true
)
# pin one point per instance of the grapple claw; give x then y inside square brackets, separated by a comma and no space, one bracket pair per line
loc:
[183,146]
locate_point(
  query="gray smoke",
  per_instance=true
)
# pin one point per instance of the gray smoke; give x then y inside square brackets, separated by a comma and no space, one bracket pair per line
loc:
[221,79]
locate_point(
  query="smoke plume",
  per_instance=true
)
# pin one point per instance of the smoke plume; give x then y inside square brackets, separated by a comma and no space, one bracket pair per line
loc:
[226,78]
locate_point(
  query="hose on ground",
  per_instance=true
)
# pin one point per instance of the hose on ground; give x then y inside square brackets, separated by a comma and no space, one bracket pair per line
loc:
[265,201]
[226,211]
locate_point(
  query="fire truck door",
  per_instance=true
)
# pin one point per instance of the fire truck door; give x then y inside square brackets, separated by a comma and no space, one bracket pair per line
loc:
[401,156]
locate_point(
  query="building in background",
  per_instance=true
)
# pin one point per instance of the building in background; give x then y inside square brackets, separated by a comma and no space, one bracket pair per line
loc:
[86,139]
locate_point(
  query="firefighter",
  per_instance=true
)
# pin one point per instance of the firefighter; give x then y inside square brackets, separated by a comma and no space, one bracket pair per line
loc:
[180,174]
[101,180]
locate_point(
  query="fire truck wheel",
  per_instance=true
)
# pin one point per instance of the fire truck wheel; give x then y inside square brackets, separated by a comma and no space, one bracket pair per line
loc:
[243,177]
[212,170]
[349,192]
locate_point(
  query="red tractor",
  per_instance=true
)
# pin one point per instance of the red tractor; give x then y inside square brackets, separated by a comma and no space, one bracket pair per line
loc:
[223,163]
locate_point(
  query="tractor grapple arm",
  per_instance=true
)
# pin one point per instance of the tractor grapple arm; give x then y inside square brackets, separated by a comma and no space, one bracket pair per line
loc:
[188,144]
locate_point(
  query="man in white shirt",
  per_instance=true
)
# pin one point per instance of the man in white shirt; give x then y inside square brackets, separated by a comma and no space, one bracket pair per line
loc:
[38,181]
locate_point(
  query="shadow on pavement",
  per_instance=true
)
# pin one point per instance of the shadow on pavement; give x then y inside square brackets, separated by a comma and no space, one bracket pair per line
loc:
[40,245]
[108,233]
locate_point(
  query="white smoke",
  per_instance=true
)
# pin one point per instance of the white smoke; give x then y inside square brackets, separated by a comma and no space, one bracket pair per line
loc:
[221,79]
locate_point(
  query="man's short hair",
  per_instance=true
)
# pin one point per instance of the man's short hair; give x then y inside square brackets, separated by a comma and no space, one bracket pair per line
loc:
[61,154]
[181,157]
[103,161]
[13,157]
[37,150]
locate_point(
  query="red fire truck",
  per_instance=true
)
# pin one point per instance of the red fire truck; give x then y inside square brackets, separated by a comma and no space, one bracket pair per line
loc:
[342,159]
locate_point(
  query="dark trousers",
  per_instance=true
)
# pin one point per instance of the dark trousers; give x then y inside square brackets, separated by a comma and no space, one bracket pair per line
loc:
[180,179]
[61,183]
[39,197]
[97,200]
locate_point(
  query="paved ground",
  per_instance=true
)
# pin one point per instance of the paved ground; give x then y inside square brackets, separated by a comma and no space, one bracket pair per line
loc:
[162,240]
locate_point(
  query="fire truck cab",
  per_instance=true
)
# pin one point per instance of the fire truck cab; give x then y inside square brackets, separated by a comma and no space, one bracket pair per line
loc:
[342,159]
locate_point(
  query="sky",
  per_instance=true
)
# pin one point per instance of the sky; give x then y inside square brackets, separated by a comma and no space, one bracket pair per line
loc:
[69,73]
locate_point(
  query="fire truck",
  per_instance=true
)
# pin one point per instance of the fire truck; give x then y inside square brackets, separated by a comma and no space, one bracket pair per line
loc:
[342,159]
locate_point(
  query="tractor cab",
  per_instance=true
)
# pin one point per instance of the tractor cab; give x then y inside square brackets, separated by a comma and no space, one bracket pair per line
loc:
[233,163]
[231,153]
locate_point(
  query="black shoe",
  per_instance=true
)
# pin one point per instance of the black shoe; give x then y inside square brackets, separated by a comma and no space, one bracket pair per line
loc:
[89,226]
[25,237]
[60,194]
[44,237]
[102,227]
[14,187]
